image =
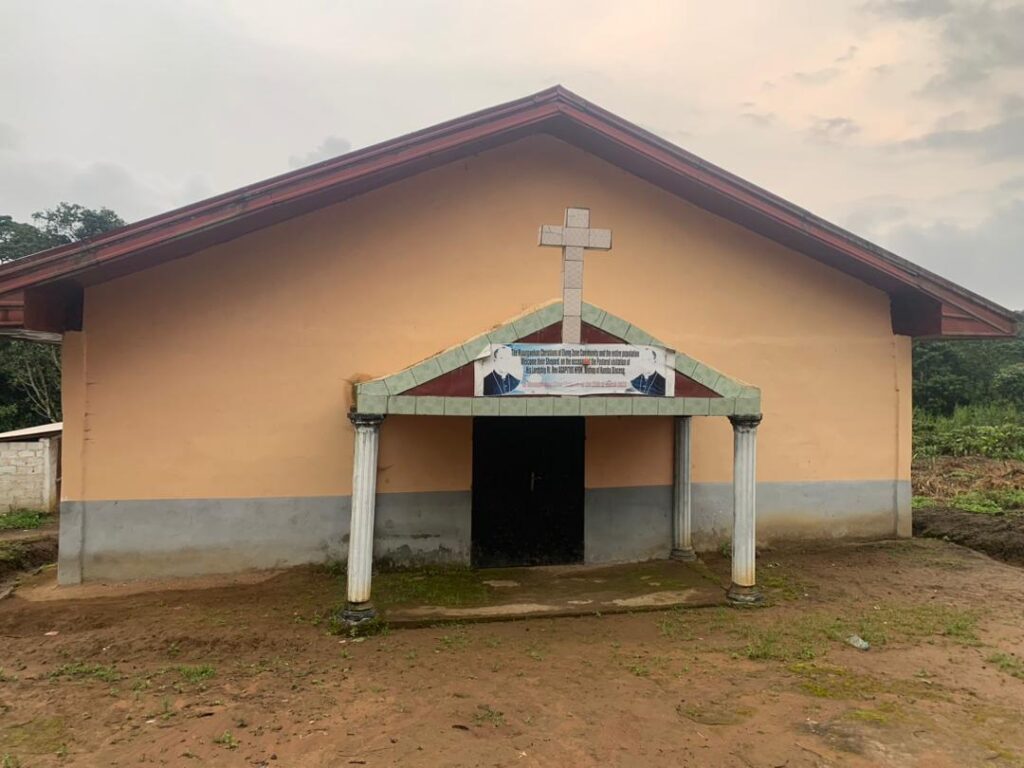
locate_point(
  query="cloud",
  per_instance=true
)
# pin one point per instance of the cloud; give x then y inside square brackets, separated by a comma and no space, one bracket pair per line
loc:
[1012,184]
[912,9]
[816,77]
[1001,140]
[33,185]
[761,119]
[982,38]
[331,147]
[831,130]
[876,215]
[8,137]
[986,257]
[977,39]
[851,52]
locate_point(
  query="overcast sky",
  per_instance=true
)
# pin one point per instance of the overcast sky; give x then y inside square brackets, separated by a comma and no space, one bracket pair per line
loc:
[902,120]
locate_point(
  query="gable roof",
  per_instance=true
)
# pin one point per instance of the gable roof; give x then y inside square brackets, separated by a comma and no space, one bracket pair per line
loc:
[700,389]
[923,304]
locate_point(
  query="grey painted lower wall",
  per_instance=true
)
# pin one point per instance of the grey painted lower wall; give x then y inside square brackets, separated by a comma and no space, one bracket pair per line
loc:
[115,540]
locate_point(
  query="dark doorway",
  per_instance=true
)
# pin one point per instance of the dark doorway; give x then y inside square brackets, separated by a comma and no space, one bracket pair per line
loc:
[527,491]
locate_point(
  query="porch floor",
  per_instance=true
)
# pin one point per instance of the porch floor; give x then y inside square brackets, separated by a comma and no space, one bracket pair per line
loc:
[419,597]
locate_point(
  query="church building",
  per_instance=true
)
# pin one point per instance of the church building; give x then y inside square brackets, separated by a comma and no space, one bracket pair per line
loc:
[536,334]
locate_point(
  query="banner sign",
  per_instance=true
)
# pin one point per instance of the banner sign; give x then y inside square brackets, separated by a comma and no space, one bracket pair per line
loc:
[575,369]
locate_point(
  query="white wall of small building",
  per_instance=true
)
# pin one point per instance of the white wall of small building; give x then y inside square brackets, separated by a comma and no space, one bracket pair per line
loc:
[28,475]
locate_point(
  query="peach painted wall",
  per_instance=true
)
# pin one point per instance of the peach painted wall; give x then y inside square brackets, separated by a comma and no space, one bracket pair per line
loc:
[227,373]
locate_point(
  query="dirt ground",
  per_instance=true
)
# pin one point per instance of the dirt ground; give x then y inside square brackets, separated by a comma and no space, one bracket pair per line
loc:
[247,675]
[1001,537]
[942,483]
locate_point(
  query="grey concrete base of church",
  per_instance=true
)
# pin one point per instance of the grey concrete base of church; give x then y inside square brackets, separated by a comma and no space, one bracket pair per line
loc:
[120,540]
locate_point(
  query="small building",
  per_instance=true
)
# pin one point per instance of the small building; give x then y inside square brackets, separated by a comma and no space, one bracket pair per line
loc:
[533,334]
[30,468]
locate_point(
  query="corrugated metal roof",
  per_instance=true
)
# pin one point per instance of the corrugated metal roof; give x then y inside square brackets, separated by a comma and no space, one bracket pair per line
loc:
[32,433]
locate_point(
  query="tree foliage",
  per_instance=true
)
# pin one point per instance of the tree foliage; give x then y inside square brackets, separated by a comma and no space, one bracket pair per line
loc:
[948,374]
[69,222]
[1008,384]
[29,371]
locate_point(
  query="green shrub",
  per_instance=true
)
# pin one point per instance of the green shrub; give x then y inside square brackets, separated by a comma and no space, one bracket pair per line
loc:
[978,503]
[22,519]
[994,431]
[990,502]
[1008,384]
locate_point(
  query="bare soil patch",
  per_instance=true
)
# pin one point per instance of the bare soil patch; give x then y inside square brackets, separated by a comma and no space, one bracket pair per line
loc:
[247,675]
[24,552]
[1001,537]
[973,501]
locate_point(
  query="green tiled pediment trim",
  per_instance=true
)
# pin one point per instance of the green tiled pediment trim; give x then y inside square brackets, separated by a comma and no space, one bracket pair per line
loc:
[386,394]
[595,405]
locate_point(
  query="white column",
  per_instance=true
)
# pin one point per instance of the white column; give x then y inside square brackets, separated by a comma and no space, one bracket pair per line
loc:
[360,535]
[682,547]
[744,533]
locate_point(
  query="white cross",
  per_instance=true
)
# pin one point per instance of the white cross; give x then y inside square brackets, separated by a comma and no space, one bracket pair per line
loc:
[573,238]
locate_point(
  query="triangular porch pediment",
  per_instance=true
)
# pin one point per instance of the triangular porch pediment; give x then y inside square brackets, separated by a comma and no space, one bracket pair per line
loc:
[442,385]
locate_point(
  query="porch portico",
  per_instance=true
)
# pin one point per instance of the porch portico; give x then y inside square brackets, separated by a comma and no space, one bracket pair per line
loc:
[443,386]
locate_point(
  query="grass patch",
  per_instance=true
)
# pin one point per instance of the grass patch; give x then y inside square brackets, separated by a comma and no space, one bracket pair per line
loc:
[884,713]
[22,519]
[227,741]
[14,556]
[1008,663]
[337,625]
[456,640]
[781,586]
[993,501]
[887,623]
[825,681]
[922,502]
[196,674]
[442,586]
[811,634]
[42,736]
[82,671]
[639,669]
[770,645]
[976,502]
[715,714]
[487,715]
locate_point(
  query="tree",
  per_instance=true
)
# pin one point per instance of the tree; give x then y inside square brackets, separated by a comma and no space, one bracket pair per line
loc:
[29,371]
[17,239]
[33,371]
[952,373]
[68,222]
[1009,384]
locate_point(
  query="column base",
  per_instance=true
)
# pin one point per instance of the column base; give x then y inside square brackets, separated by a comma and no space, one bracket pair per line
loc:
[738,595]
[686,555]
[355,614]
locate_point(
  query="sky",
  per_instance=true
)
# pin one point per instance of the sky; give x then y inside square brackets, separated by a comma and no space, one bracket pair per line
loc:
[901,120]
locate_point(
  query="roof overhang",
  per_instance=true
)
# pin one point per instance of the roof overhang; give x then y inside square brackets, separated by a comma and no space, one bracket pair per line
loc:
[923,303]
[12,322]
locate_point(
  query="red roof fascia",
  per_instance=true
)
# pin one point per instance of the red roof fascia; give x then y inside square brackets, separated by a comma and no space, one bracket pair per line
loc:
[555,110]
[68,260]
[12,311]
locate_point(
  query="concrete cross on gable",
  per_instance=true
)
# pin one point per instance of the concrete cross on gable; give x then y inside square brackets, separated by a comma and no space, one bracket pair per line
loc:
[574,237]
